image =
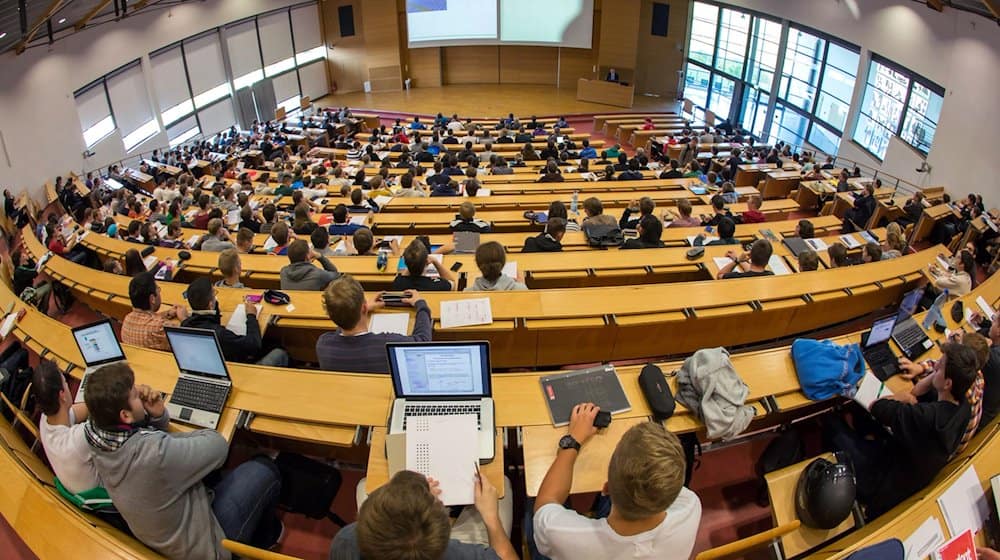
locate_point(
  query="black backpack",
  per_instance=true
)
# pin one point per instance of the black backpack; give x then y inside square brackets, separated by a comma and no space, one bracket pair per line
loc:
[308,486]
[15,375]
[604,236]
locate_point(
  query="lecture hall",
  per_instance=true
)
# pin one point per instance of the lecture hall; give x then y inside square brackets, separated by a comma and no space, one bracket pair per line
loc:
[500,279]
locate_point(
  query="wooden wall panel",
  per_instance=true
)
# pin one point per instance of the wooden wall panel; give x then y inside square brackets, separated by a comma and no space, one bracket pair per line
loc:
[381,32]
[619,36]
[659,58]
[575,64]
[470,65]
[425,67]
[528,65]
[347,59]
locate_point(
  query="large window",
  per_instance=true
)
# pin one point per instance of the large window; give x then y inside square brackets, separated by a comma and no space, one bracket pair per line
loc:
[730,56]
[800,73]
[764,45]
[704,26]
[922,113]
[95,113]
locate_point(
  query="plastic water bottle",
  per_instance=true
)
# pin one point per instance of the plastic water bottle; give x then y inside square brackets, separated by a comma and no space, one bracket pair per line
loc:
[574,201]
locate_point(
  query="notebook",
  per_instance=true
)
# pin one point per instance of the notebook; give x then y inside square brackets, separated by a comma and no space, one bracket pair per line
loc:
[599,385]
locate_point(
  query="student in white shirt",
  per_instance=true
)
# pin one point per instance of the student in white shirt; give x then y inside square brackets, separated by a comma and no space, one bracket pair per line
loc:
[652,515]
[61,430]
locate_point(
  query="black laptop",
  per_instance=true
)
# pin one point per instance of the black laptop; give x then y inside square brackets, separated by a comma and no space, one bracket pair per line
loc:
[875,348]
[797,245]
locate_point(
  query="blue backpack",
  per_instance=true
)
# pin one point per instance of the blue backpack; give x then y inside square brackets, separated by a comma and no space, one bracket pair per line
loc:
[826,369]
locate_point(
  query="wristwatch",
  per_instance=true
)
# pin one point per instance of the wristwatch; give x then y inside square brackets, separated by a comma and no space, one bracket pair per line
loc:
[569,442]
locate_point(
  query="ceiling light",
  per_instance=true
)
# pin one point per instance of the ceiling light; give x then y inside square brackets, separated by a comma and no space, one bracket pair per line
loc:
[63,20]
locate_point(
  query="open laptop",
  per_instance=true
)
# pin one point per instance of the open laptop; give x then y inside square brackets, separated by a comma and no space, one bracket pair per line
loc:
[203,385]
[98,346]
[876,351]
[907,334]
[443,378]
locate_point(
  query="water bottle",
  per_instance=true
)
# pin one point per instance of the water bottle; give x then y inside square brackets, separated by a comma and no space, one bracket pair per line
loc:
[574,201]
[382,261]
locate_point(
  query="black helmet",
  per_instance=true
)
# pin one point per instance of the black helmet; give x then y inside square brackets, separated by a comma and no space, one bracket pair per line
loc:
[825,494]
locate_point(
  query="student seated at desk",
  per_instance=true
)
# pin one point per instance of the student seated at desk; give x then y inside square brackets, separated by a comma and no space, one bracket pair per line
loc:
[838,255]
[673,172]
[644,206]
[405,516]
[757,258]
[594,210]
[889,467]
[871,252]
[632,173]
[443,188]
[895,243]
[359,204]
[301,274]
[416,257]
[155,478]
[588,152]
[912,210]
[685,219]
[808,261]
[753,215]
[651,515]
[231,269]
[721,212]
[466,220]
[342,222]
[958,279]
[856,218]
[650,229]
[552,174]
[805,229]
[352,347]
[143,326]
[548,241]
[491,258]
[200,220]
[247,348]
[727,232]
[217,238]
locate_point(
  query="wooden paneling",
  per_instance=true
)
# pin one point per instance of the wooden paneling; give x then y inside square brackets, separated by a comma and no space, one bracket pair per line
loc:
[425,67]
[346,60]
[381,32]
[470,65]
[575,64]
[528,65]
[619,36]
[659,58]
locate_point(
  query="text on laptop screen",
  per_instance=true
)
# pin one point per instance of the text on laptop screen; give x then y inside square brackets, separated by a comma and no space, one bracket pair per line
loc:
[909,303]
[440,370]
[197,353]
[881,331]
[98,343]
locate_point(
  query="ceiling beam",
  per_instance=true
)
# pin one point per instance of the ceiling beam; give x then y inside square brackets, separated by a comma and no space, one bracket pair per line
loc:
[993,6]
[49,12]
[82,22]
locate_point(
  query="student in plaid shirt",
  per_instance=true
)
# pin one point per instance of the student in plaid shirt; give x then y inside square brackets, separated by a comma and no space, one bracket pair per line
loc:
[143,326]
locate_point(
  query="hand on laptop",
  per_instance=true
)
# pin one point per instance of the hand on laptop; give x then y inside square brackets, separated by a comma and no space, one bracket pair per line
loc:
[911,370]
[581,422]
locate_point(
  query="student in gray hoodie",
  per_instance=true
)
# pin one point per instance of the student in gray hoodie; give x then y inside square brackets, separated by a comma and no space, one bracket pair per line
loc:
[301,274]
[154,478]
[491,258]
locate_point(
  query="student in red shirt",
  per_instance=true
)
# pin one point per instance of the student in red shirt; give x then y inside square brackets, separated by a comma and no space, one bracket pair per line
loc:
[753,215]
[648,125]
[56,242]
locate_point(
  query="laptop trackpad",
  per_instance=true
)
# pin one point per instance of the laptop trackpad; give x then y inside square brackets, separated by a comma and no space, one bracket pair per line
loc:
[186,413]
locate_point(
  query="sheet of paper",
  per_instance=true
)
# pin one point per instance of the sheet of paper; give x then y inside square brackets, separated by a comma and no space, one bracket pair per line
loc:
[924,541]
[150,261]
[869,390]
[778,266]
[233,217]
[964,504]
[510,269]
[849,241]
[817,244]
[985,308]
[238,320]
[270,243]
[465,312]
[382,200]
[705,241]
[385,323]
[484,192]
[721,262]
[397,238]
[942,263]
[8,324]
[340,248]
[192,240]
[446,448]
[359,220]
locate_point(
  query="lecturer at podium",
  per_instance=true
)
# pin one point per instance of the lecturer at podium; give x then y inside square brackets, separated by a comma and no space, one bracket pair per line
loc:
[612,75]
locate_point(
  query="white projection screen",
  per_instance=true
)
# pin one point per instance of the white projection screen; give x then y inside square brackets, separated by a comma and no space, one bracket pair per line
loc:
[554,23]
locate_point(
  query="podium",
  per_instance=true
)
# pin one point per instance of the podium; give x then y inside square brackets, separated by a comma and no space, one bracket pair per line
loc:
[608,93]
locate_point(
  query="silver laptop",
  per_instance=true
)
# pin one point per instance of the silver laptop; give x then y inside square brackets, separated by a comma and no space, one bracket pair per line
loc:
[99,347]
[466,241]
[203,385]
[441,379]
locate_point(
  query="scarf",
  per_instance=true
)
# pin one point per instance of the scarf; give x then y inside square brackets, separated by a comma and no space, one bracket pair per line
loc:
[108,440]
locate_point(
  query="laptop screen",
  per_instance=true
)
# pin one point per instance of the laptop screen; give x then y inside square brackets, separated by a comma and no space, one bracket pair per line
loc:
[98,344]
[909,304]
[440,369]
[881,331]
[196,351]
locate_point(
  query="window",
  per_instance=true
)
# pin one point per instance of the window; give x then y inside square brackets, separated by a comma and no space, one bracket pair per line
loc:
[184,136]
[310,55]
[696,84]
[722,95]
[92,107]
[824,139]
[755,110]
[244,54]
[275,33]
[788,125]
[99,131]
[733,29]
[703,31]
[922,113]
[800,73]
[171,85]
[881,108]
[279,67]
[178,111]
[133,115]
[764,46]
[837,86]
[141,134]
[214,94]
[248,80]
[206,69]
[183,131]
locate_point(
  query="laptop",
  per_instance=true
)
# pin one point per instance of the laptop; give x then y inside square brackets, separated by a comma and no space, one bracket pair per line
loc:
[443,378]
[203,385]
[466,241]
[99,347]
[796,245]
[907,333]
[876,351]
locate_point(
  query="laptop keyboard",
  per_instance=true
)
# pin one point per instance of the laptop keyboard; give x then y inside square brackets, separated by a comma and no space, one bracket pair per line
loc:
[910,336]
[442,410]
[202,396]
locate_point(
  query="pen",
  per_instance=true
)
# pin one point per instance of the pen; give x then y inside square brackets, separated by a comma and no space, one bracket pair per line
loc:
[479,479]
[881,388]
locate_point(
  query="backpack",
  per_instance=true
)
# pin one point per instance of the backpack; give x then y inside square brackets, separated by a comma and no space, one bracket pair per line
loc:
[826,369]
[604,236]
[308,486]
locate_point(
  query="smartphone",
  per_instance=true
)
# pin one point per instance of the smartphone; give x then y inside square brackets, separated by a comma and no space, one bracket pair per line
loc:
[457,266]
[255,298]
[383,245]
[709,229]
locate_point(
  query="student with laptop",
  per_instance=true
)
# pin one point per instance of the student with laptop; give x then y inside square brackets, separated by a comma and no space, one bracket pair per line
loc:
[247,348]
[652,515]
[890,466]
[155,477]
[416,257]
[143,326]
[352,347]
